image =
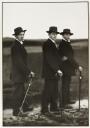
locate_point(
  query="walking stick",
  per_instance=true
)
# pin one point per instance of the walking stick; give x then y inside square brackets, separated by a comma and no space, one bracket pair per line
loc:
[60,96]
[61,107]
[21,108]
[80,82]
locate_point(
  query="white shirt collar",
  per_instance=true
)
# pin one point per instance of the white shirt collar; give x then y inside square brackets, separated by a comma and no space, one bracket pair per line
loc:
[21,42]
[66,40]
[52,40]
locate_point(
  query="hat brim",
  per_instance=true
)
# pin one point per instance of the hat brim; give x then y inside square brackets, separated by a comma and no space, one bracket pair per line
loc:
[62,33]
[20,32]
[51,32]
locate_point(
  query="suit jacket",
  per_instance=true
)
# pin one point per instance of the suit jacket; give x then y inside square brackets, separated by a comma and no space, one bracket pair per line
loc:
[20,70]
[51,60]
[65,49]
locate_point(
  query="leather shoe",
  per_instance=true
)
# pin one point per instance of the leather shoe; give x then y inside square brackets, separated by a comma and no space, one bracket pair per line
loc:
[68,107]
[54,110]
[15,112]
[44,111]
[72,102]
[20,115]
[27,109]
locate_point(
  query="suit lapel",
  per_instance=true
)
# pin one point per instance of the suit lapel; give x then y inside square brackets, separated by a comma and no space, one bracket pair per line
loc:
[52,43]
[22,49]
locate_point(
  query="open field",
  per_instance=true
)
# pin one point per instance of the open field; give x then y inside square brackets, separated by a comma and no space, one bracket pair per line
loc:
[35,62]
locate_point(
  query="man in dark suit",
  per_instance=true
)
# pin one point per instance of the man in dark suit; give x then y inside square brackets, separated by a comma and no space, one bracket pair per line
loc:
[20,70]
[51,69]
[69,65]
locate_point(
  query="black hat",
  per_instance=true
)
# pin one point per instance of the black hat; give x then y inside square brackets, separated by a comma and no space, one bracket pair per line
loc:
[52,29]
[66,31]
[18,30]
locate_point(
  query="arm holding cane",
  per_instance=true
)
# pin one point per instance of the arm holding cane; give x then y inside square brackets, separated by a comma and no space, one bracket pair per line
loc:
[79,68]
[59,73]
[31,75]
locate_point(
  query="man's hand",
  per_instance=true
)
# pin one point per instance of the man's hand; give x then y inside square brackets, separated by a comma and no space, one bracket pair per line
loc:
[32,74]
[64,58]
[59,73]
[80,68]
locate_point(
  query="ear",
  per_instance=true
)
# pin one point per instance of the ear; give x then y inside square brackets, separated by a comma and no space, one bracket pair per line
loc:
[16,36]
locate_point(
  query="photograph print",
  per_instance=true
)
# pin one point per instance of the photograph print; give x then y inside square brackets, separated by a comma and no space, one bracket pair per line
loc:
[45,51]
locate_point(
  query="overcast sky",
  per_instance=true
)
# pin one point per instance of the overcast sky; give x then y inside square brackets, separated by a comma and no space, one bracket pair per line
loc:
[38,17]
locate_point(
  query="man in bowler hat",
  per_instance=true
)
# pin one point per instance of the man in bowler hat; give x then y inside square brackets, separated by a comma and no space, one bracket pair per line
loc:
[69,66]
[51,69]
[20,70]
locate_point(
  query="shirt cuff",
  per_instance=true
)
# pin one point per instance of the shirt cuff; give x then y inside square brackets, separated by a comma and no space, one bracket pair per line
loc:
[59,71]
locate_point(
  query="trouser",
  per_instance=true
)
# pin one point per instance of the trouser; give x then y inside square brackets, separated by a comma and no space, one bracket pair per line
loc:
[66,79]
[18,96]
[50,95]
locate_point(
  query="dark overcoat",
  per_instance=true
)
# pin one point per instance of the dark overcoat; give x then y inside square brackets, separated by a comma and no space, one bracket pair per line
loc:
[70,65]
[20,70]
[51,60]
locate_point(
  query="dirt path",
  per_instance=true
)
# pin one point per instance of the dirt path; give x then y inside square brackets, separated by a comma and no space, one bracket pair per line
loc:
[70,117]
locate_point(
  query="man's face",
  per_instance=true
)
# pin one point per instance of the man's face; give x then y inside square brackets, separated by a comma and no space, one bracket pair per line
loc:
[66,36]
[53,35]
[20,37]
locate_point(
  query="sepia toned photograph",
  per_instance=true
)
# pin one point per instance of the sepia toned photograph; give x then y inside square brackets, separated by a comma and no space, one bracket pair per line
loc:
[45,63]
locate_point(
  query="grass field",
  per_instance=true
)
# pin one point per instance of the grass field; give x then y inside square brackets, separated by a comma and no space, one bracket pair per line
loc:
[35,62]
[71,117]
